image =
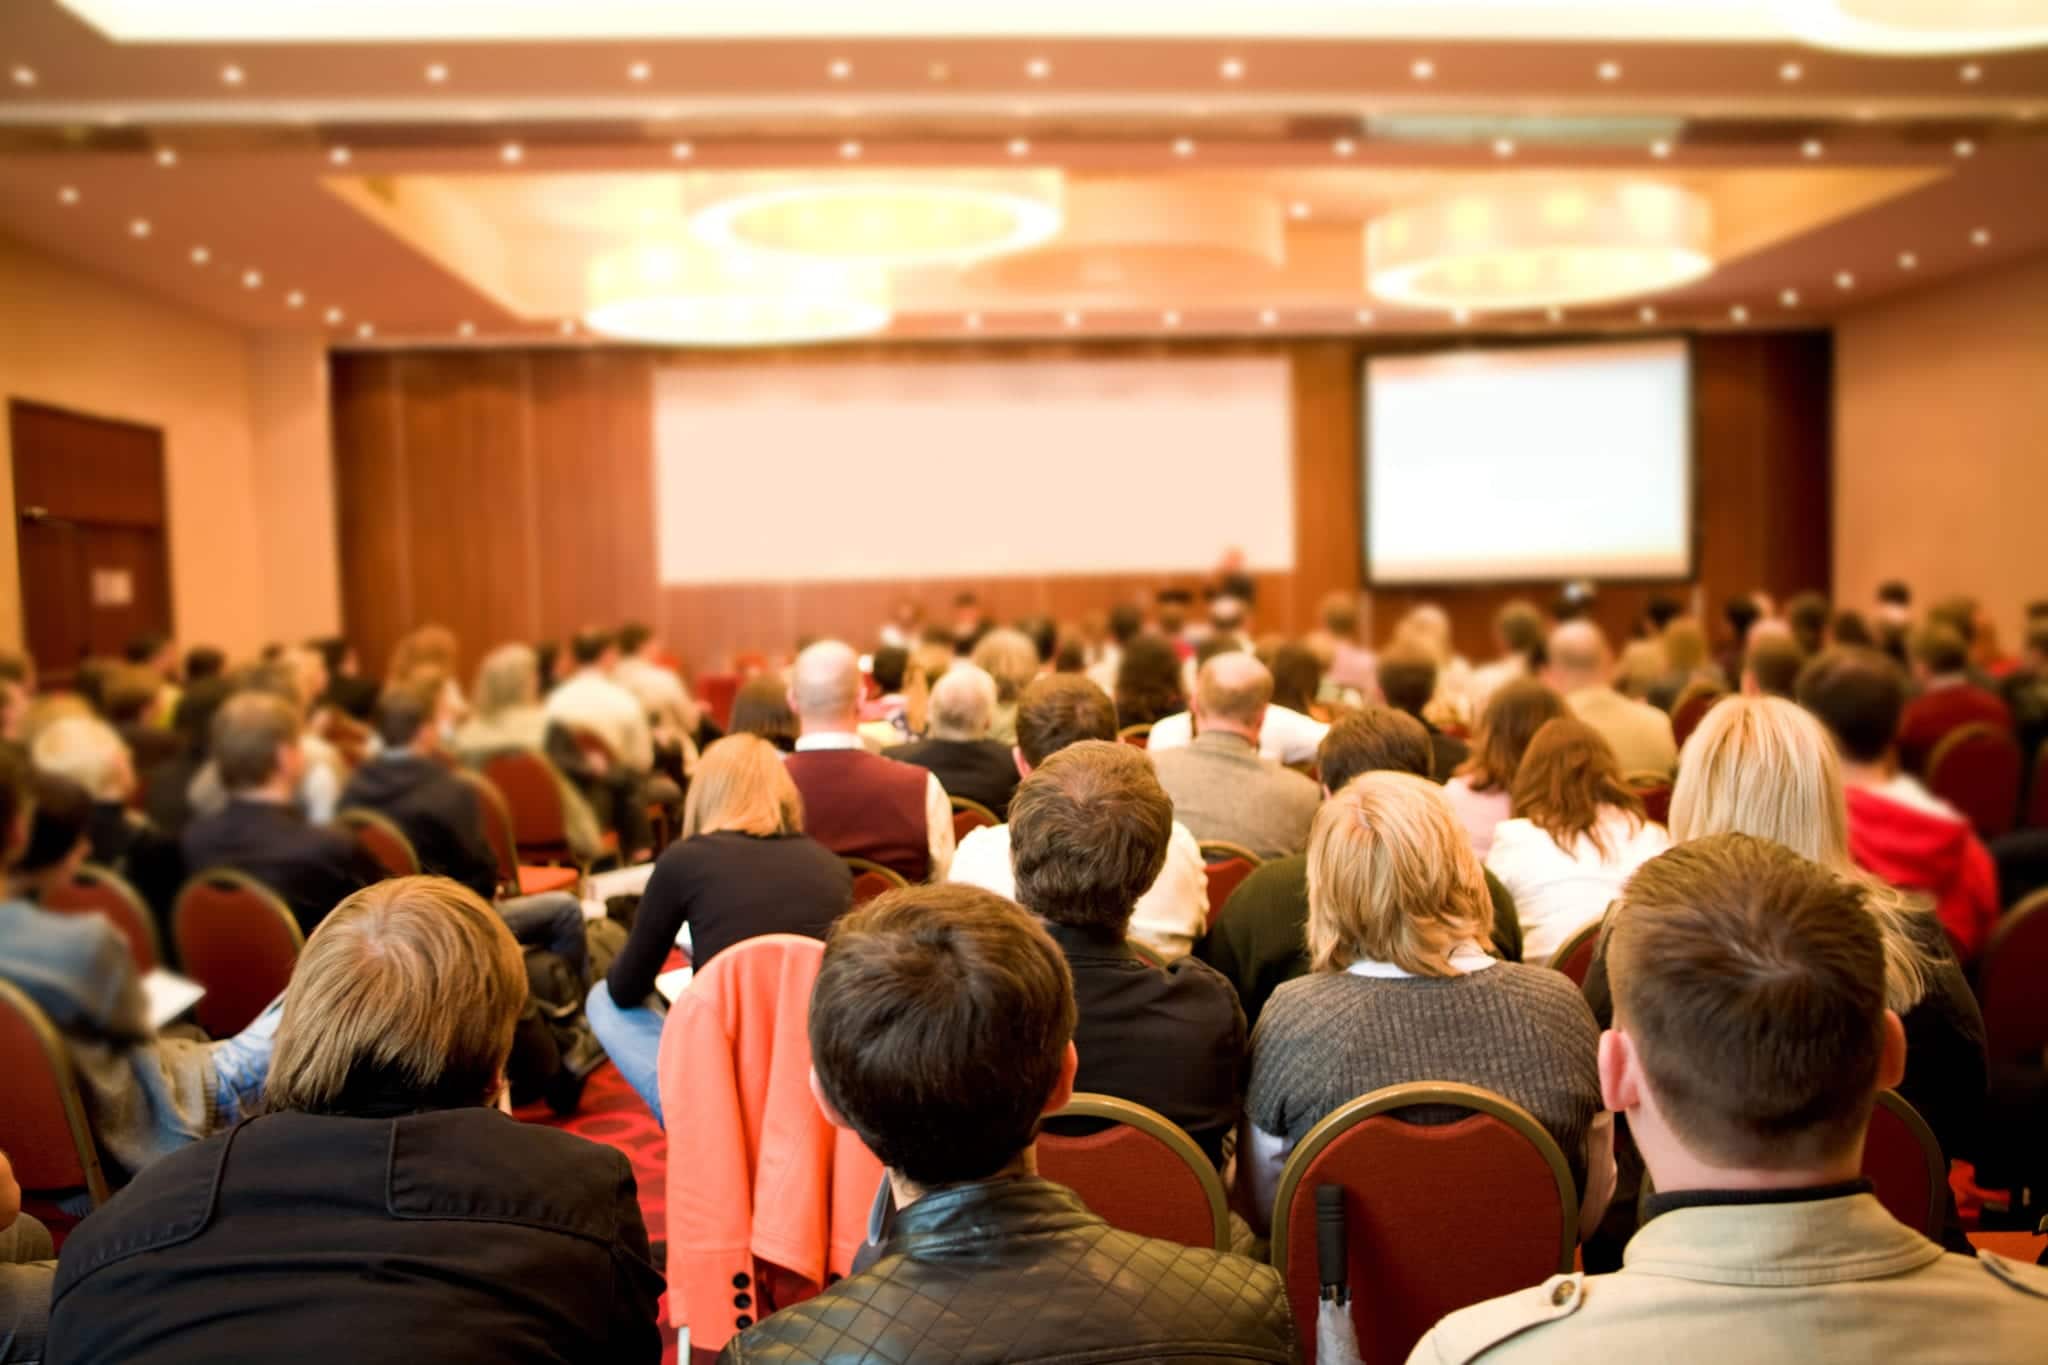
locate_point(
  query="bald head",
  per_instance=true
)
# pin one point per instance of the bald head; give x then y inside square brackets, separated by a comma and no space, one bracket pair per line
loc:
[1231,693]
[824,687]
[1578,656]
[963,703]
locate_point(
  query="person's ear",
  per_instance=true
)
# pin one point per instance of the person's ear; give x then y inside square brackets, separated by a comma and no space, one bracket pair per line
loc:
[1023,768]
[1063,1089]
[1621,1075]
[825,1106]
[1891,1053]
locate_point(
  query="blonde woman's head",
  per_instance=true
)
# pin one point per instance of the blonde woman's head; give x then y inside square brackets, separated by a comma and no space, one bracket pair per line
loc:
[741,785]
[1391,878]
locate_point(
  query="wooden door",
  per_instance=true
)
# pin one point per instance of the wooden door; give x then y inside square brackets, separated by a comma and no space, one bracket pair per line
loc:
[95,563]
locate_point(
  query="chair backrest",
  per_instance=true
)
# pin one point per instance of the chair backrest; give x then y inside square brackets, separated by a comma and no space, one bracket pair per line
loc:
[238,939]
[2009,980]
[1137,1170]
[530,788]
[716,692]
[497,818]
[1976,769]
[970,815]
[96,888]
[1574,956]
[383,838]
[2037,791]
[1902,1160]
[1138,736]
[1492,1188]
[1654,789]
[43,1126]
[1225,865]
[1691,708]
[871,879]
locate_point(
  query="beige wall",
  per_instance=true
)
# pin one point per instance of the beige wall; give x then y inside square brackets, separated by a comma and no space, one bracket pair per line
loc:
[246,445]
[1941,444]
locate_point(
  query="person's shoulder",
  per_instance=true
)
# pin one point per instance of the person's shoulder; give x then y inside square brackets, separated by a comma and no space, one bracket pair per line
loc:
[1537,983]
[1470,1333]
[1996,1280]
[1300,1006]
[1198,980]
[170,1200]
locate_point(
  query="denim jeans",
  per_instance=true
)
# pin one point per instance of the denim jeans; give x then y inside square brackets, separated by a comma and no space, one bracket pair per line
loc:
[632,1039]
[554,921]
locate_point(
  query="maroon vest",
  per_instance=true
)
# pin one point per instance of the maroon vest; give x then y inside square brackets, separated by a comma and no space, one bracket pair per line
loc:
[860,805]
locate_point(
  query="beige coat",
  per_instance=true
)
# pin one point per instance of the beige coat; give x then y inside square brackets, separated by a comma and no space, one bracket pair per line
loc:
[1639,733]
[1766,1284]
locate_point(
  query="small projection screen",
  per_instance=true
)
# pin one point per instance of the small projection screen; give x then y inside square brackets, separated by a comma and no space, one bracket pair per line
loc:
[1529,462]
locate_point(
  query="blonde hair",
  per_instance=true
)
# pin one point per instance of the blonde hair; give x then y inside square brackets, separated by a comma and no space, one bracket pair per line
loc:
[412,985]
[741,784]
[1010,658]
[1685,645]
[1764,767]
[508,677]
[86,750]
[1391,878]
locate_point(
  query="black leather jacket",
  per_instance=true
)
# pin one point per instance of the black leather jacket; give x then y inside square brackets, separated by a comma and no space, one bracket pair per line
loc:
[1020,1271]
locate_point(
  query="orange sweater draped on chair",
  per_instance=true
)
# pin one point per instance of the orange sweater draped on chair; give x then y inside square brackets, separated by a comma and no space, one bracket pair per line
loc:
[756,1177]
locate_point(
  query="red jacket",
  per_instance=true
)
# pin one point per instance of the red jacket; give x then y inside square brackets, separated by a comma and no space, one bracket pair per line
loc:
[1918,850]
[1934,713]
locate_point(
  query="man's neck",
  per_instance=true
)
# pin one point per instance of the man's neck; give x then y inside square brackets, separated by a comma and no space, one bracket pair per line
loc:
[1868,775]
[828,725]
[1211,725]
[908,1192]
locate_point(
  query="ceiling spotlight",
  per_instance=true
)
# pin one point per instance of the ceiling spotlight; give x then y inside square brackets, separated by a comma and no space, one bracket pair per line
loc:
[467,329]
[231,74]
[568,327]
[1791,71]
[1363,317]
[849,150]
[1038,68]
[1980,237]
[1344,146]
[333,316]
[1608,71]
[1788,298]
[1461,316]
[1811,149]
[1422,68]
[252,279]
[437,72]
[1020,146]
[1071,318]
[1299,209]
[1267,317]
[200,255]
[1844,280]
[840,69]
[1183,146]
[338,155]
[512,153]
[973,321]
[1907,260]
[1865,114]
[138,227]
[638,71]
[681,151]
[1965,147]
[1738,314]
[365,331]
[1503,147]
[67,195]
[24,76]
[166,156]
[1648,313]
[295,299]
[1554,313]
[1971,73]
[1660,149]
[1231,69]
[1171,317]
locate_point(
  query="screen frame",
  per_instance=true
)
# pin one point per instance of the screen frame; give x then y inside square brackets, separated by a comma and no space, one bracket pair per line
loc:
[1433,346]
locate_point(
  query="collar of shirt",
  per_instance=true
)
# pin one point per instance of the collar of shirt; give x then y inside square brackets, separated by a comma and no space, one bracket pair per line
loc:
[1227,740]
[1659,1201]
[1466,958]
[833,739]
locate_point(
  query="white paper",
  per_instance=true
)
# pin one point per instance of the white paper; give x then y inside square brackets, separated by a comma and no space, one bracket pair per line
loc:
[673,984]
[169,995]
[625,881]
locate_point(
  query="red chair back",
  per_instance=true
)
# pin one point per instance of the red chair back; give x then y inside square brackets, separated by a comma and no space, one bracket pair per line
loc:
[970,815]
[1574,956]
[1225,865]
[383,838]
[715,693]
[1976,769]
[1140,1173]
[1904,1165]
[1492,1188]
[1138,736]
[1691,709]
[871,879]
[530,789]
[497,816]
[237,939]
[43,1126]
[1654,790]
[102,889]
[2037,791]
[2009,981]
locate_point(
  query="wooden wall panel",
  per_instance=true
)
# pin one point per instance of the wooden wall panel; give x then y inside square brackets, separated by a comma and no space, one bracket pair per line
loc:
[564,533]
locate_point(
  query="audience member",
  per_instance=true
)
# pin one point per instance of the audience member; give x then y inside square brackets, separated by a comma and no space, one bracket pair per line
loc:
[590,700]
[347,691]
[138,704]
[1637,732]
[144,1095]
[410,783]
[87,751]
[1897,828]
[1480,789]
[1686,665]
[1771,667]
[959,749]
[885,717]
[742,867]
[156,653]
[1849,628]
[1052,714]
[1286,735]
[167,788]
[1750,1038]
[1577,834]
[1339,645]
[1518,634]
[1948,698]
[1222,787]
[761,707]
[1297,675]
[856,803]
[1260,938]
[1011,658]
[1408,681]
[60,814]
[259,831]
[322,769]
[1148,681]
[1807,616]
[1740,614]
[28,1267]
[1428,628]
[1089,834]
[941,1032]
[508,717]
[203,662]
[1404,990]
[1124,623]
[2026,696]
[970,623]
[380,1192]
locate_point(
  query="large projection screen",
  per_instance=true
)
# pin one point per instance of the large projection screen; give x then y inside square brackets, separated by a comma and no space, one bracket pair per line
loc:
[1530,462]
[793,472]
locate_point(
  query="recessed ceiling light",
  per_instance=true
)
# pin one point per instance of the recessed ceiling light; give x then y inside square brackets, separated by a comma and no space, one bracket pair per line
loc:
[1844,280]
[1461,316]
[338,155]
[850,150]
[1038,68]
[1071,318]
[1965,147]
[638,71]
[1554,313]
[1660,149]
[1811,149]
[1503,146]
[1907,260]
[1865,114]
[1971,73]
[1363,317]
[333,316]
[252,279]
[1789,298]
[568,328]
[1738,314]
[138,227]
[365,331]
[681,151]
[1609,71]
[1344,146]
[1020,146]
[1422,68]
[437,72]
[512,153]
[67,195]
[1791,71]
[467,329]
[231,74]
[840,69]
[1267,317]
[1231,69]
[295,299]
[200,255]
[1171,317]
[1183,146]
[1299,209]
[1648,313]
[24,76]
[973,321]
[938,71]
[1980,237]
[166,156]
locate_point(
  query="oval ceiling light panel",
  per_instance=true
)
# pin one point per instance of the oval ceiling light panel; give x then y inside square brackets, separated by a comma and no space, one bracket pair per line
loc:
[879,218]
[1538,244]
[1922,27]
[681,295]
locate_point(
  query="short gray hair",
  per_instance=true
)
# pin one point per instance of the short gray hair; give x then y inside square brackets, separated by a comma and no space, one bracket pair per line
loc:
[1578,647]
[86,750]
[509,676]
[825,683]
[963,703]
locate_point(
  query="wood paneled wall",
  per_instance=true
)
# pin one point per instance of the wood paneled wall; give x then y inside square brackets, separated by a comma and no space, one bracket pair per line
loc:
[508,494]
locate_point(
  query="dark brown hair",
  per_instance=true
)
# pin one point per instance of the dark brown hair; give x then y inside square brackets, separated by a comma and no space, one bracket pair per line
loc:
[1859,695]
[1774,661]
[761,707]
[939,1024]
[1297,676]
[1059,710]
[1148,682]
[1407,679]
[1514,713]
[1752,982]
[1374,739]
[1567,775]
[1088,835]
[1941,647]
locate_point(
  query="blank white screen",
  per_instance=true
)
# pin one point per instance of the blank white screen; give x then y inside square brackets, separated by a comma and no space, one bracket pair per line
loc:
[1538,462]
[767,473]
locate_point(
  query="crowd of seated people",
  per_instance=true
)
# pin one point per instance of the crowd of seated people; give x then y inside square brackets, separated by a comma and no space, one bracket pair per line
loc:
[1424,837]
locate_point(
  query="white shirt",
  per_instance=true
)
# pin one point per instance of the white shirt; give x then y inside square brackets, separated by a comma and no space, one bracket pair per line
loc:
[591,701]
[938,807]
[1558,892]
[1479,812]
[658,689]
[1169,917]
[1286,736]
[1906,790]
[1490,678]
